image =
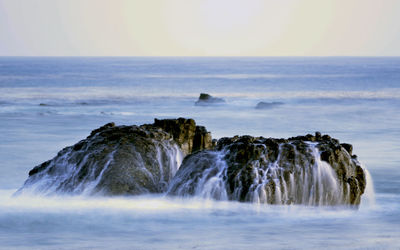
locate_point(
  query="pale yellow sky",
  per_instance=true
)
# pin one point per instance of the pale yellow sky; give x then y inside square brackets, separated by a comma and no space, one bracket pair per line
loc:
[200,27]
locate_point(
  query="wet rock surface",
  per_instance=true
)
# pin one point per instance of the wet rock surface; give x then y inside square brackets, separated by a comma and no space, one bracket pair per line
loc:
[130,160]
[309,170]
[190,137]
[118,160]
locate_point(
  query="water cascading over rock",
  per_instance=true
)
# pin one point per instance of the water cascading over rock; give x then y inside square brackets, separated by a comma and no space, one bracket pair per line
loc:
[308,170]
[131,160]
[117,160]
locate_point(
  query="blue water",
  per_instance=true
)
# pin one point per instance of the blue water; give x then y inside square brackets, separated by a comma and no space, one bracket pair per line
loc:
[49,103]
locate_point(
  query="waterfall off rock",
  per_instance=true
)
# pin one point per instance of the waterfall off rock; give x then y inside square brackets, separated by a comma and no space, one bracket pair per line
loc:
[131,160]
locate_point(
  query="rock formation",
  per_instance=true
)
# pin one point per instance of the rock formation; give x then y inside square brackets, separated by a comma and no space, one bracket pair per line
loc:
[121,159]
[190,137]
[130,160]
[206,99]
[309,170]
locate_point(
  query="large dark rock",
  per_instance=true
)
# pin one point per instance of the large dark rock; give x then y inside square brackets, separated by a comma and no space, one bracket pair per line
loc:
[310,170]
[206,99]
[121,159]
[129,160]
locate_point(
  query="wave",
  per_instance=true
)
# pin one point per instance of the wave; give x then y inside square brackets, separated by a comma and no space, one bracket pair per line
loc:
[99,102]
[125,76]
[329,94]
[159,204]
[233,76]
[97,94]
[7,78]
[154,222]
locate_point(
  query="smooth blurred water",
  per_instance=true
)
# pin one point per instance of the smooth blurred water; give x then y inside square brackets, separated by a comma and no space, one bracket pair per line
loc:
[49,103]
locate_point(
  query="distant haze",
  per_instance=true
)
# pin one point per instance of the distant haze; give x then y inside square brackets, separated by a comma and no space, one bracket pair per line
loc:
[199,28]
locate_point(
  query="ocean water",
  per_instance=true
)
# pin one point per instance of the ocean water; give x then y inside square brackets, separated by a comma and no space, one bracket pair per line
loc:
[47,104]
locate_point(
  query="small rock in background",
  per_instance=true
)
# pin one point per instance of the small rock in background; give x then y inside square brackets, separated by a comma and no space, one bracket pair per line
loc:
[206,99]
[268,105]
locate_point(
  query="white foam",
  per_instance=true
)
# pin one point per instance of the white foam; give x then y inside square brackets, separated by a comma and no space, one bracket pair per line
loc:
[156,204]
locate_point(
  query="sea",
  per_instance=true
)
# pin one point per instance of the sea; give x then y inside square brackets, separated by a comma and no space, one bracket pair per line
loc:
[48,103]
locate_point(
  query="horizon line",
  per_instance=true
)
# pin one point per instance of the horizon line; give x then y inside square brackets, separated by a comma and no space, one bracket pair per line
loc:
[130,56]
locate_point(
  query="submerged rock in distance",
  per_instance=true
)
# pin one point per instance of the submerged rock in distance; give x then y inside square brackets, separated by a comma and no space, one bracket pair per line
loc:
[268,105]
[308,170]
[116,160]
[206,99]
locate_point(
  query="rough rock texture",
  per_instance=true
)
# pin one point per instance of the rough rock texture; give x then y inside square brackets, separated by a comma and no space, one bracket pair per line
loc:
[190,137]
[268,105]
[121,159]
[206,99]
[310,170]
[128,160]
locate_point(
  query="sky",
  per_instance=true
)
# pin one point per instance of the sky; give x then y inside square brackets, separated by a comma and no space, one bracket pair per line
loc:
[199,27]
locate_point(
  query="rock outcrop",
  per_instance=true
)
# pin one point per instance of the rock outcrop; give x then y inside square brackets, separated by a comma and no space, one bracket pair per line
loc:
[206,99]
[309,170]
[190,137]
[130,160]
[117,160]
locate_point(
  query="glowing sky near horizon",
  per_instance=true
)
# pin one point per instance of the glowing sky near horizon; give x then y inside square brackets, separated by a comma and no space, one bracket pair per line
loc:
[199,27]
